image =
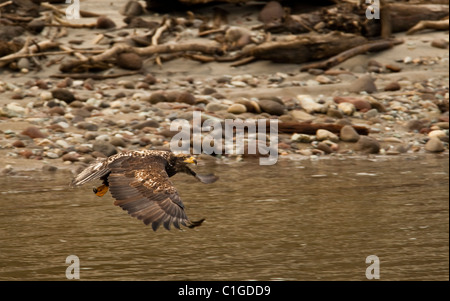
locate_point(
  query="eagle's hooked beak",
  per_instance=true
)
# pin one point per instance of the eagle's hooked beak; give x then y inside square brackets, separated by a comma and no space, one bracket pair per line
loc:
[190,160]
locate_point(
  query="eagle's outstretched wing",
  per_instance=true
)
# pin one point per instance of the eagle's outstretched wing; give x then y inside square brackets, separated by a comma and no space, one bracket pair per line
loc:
[141,186]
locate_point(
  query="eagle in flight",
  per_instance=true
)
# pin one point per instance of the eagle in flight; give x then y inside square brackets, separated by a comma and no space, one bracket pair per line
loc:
[139,181]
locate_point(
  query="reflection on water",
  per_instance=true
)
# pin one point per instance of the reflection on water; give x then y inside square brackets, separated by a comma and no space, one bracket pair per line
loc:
[298,220]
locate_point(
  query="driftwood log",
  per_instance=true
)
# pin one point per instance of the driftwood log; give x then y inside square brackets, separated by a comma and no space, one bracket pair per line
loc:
[329,34]
[405,16]
[305,48]
[361,49]
[298,49]
[428,24]
[209,48]
[158,4]
[352,18]
[28,49]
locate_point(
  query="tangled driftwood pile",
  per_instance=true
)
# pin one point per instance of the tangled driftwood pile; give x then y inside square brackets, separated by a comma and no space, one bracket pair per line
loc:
[328,34]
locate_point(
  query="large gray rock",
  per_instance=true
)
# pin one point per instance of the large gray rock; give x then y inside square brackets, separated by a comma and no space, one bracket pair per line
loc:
[132,8]
[364,83]
[322,134]
[237,108]
[129,61]
[349,134]
[271,107]
[272,11]
[367,145]
[64,95]
[105,148]
[434,145]
[310,105]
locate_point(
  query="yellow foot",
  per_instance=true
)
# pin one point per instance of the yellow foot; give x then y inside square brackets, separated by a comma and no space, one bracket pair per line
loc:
[101,190]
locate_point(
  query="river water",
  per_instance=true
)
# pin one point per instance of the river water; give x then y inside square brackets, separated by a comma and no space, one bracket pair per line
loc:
[298,220]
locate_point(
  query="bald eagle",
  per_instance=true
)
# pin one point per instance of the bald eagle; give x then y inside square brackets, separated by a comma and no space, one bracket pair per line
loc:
[139,181]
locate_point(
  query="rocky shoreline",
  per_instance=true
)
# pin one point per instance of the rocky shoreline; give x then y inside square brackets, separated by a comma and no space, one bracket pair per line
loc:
[401,95]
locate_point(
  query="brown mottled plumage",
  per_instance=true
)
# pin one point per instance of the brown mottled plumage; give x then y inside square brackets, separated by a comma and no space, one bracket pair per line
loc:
[139,181]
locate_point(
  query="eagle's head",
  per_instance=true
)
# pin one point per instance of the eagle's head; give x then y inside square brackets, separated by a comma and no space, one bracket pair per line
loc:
[178,163]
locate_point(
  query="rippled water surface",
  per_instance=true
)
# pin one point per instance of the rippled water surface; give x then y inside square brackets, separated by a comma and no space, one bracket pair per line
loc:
[298,220]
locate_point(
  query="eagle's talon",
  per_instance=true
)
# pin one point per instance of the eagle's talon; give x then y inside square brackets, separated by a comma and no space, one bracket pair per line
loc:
[100,190]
